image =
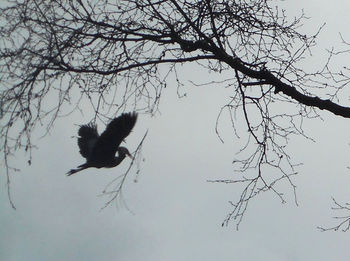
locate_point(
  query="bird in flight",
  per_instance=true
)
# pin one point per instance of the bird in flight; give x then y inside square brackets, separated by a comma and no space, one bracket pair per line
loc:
[99,151]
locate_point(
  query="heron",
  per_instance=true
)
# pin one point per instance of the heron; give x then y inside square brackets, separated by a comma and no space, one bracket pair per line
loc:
[99,150]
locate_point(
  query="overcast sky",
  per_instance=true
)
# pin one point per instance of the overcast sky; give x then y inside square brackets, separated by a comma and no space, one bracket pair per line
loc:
[172,212]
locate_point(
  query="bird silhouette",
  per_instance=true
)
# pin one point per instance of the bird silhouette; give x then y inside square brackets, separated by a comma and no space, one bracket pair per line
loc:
[99,151]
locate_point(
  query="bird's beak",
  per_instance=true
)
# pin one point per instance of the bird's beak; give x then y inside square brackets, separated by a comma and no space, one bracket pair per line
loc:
[128,154]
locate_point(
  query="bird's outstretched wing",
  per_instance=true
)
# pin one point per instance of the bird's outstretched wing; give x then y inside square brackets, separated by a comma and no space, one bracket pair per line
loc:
[117,130]
[88,137]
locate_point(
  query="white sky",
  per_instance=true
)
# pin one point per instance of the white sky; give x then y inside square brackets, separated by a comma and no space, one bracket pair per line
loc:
[176,214]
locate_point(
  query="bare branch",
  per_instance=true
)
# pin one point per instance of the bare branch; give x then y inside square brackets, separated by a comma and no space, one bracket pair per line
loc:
[117,55]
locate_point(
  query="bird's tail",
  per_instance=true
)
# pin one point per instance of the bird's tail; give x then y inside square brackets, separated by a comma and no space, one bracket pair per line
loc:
[80,168]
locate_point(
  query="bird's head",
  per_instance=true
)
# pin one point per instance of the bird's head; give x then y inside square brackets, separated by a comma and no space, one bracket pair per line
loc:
[122,151]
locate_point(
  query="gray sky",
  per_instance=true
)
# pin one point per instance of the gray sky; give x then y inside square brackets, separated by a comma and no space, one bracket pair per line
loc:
[174,213]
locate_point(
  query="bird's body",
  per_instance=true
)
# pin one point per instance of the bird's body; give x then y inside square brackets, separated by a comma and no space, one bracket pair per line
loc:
[100,151]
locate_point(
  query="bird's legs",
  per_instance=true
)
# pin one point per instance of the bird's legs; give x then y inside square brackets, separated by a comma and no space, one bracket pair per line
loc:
[80,168]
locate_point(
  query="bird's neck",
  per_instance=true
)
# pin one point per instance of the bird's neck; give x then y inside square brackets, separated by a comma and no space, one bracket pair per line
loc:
[118,160]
